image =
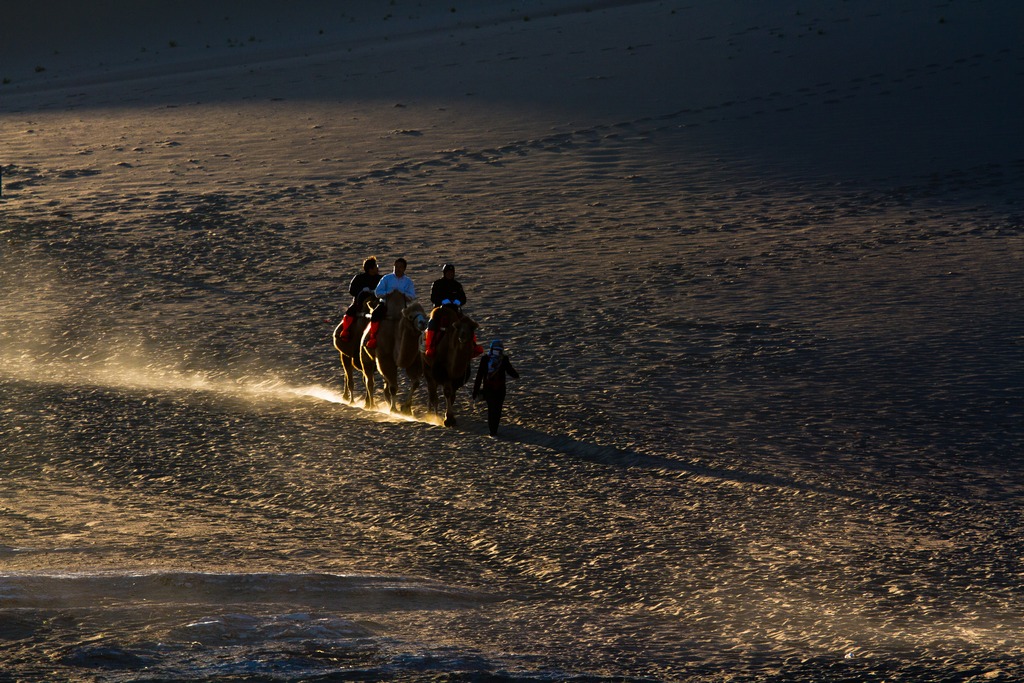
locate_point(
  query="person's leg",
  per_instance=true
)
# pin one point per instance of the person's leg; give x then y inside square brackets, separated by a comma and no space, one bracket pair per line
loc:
[378,315]
[346,322]
[494,403]
[433,334]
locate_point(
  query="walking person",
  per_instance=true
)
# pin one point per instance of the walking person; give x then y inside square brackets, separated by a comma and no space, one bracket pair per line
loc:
[490,382]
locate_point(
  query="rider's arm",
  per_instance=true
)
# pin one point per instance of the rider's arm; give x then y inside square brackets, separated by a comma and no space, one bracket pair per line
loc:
[355,286]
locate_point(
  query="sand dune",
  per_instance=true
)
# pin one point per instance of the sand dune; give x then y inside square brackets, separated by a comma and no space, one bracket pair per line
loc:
[758,265]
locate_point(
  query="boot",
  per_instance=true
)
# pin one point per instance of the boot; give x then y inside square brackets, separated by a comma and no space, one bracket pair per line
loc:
[371,340]
[346,326]
[430,339]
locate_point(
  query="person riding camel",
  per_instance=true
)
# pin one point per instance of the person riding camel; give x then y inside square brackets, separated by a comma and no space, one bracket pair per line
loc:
[396,281]
[360,288]
[446,292]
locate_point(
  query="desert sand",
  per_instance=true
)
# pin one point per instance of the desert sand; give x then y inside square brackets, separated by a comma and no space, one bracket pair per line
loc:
[758,264]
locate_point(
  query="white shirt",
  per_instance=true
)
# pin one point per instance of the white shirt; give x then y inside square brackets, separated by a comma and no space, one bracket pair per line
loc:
[391,282]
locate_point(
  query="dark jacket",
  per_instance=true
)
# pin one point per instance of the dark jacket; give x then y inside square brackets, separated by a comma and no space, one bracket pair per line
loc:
[361,281]
[447,289]
[493,382]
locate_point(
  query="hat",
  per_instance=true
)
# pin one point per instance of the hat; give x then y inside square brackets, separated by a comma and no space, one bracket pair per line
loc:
[447,266]
[496,344]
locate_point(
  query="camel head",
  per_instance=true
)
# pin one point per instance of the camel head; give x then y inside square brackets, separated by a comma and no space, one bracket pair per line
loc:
[464,331]
[460,350]
[415,314]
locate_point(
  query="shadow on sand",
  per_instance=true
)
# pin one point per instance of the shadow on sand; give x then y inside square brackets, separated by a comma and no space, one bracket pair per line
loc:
[615,457]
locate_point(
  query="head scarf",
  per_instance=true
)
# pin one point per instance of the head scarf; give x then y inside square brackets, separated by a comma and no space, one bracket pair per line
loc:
[494,356]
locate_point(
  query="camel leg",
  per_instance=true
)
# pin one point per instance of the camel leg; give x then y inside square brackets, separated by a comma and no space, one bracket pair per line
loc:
[348,370]
[449,410]
[432,399]
[407,404]
[391,391]
[414,373]
[368,380]
[389,372]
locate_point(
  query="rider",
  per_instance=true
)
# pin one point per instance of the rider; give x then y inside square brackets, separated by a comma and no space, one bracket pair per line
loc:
[360,288]
[396,281]
[445,292]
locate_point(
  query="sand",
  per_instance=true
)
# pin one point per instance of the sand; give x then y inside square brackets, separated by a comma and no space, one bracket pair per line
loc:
[759,267]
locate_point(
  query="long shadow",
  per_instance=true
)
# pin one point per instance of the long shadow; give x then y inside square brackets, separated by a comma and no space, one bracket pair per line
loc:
[616,457]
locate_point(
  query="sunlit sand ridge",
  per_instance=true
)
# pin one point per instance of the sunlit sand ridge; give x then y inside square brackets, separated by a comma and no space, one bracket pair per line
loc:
[118,373]
[39,310]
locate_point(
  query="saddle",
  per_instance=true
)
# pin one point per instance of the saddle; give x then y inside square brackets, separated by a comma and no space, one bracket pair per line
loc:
[441,318]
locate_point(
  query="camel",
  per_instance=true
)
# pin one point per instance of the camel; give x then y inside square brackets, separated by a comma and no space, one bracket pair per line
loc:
[351,359]
[407,349]
[450,365]
[397,347]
